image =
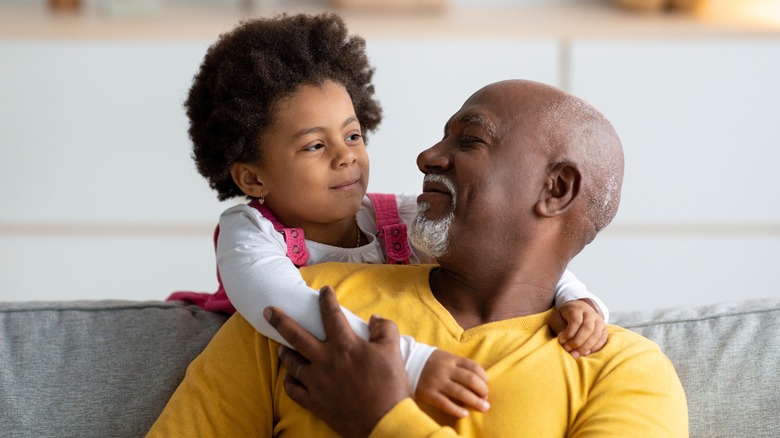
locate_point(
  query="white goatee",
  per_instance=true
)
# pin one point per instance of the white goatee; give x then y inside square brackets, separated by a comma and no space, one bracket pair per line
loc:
[432,236]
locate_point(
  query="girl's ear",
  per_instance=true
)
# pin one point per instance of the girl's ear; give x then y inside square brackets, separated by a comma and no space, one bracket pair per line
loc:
[247,178]
[560,189]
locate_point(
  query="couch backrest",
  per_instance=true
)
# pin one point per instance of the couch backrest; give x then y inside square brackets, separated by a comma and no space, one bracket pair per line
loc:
[728,359]
[94,369]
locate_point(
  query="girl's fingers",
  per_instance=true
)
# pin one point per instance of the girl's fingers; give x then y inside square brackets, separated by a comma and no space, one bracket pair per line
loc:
[471,381]
[446,405]
[456,392]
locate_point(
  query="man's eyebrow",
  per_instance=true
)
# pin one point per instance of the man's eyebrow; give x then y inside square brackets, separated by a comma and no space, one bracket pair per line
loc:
[479,119]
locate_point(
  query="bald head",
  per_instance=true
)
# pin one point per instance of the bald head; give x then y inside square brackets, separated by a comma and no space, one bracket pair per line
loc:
[575,131]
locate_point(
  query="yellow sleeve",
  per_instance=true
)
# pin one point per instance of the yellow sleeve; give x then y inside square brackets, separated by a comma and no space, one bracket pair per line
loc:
[226,390]
[407,420]
[638,393]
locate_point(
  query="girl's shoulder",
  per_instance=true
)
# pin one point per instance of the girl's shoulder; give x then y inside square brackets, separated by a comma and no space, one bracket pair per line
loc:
[242,216]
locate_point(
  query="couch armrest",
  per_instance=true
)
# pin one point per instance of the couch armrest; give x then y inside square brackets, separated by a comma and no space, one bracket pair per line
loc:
[728,358]
[94,368]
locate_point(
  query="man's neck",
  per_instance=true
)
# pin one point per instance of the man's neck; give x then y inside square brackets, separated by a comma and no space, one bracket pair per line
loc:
[474,299]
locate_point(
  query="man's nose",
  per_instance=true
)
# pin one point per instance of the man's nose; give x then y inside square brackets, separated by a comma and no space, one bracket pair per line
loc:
[433,159]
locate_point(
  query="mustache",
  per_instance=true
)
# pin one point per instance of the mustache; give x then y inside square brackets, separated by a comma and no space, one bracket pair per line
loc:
[446,182]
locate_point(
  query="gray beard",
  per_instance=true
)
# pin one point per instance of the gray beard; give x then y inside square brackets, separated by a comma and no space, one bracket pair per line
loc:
[431,236]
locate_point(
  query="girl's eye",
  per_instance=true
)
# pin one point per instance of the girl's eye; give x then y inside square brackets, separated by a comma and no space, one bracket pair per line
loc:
[314,147]
[354,136]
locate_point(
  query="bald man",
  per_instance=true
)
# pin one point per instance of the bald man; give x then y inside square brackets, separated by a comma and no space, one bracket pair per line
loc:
[525,176]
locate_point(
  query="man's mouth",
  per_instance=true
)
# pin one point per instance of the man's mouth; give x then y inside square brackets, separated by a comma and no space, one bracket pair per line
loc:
[434,183]
[438,189]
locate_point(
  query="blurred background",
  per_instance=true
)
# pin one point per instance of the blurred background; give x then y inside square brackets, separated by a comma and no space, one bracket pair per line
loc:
[99,198]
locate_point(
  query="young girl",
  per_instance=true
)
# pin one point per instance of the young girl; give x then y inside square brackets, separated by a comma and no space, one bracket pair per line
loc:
[278,113]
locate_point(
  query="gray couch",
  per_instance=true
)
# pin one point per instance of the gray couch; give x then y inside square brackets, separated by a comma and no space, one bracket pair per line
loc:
[107,368]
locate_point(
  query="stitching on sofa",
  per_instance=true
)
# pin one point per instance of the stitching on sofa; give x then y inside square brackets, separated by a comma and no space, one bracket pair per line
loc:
[106,308]
[702,318]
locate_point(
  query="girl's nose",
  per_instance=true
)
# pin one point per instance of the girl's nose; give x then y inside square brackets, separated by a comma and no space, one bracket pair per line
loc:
[345,156]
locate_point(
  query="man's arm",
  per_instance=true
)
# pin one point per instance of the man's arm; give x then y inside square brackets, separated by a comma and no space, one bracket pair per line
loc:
[350,383]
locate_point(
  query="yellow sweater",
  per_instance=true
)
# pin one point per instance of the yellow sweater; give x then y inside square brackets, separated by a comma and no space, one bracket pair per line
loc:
[234,388]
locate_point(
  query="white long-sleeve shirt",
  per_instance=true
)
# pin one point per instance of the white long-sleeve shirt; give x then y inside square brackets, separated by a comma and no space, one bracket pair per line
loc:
[256,273]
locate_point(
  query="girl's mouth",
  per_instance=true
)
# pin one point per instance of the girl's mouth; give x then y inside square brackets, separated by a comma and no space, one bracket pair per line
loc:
[346,185]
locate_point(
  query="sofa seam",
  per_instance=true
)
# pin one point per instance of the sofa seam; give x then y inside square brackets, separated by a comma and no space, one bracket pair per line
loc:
[190,308]
[702,318]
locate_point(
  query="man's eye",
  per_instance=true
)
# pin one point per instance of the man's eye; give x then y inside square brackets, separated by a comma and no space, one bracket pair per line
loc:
[469,141]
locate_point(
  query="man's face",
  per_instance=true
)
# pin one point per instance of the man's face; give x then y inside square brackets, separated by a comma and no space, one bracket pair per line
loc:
[483,177]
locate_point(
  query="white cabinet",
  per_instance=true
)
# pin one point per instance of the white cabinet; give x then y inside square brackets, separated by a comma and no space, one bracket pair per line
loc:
[699,121]
[96,132]
[700,216]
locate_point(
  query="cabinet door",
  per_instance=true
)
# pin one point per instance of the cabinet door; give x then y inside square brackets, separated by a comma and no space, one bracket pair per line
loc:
[96,132]
[421,83]
[99,196]
[700,216]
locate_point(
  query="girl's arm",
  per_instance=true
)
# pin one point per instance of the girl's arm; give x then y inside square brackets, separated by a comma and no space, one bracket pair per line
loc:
[257,273]
[580,318]
[569,288]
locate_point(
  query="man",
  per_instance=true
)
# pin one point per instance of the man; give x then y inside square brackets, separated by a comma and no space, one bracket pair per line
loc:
[525,176]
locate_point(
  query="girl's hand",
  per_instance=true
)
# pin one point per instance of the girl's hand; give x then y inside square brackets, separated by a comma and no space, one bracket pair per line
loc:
[449,382]
[580,328]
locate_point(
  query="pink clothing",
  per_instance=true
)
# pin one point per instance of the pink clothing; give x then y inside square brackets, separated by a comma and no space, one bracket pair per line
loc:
[390,228]
[296,242]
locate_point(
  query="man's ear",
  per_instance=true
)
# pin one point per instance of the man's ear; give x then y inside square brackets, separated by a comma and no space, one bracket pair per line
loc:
[560,189]
[247,178]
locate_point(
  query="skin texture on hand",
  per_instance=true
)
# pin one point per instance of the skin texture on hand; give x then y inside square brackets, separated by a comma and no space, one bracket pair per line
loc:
[322,374]
[450,382]
[580,328]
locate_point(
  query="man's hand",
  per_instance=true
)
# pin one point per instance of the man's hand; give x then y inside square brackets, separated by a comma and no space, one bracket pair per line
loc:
[580,328]
[346,381]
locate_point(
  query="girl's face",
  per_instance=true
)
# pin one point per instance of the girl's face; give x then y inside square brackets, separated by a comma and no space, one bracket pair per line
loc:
[315,167]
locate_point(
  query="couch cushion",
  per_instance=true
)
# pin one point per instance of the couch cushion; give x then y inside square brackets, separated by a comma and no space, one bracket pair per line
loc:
[94,369]
[728,359]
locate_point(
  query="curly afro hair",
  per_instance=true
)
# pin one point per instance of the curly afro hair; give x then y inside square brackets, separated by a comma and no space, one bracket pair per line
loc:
[247,70]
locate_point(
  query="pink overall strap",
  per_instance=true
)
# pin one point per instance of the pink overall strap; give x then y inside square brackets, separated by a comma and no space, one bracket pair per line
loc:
[390,229]
[294,237]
